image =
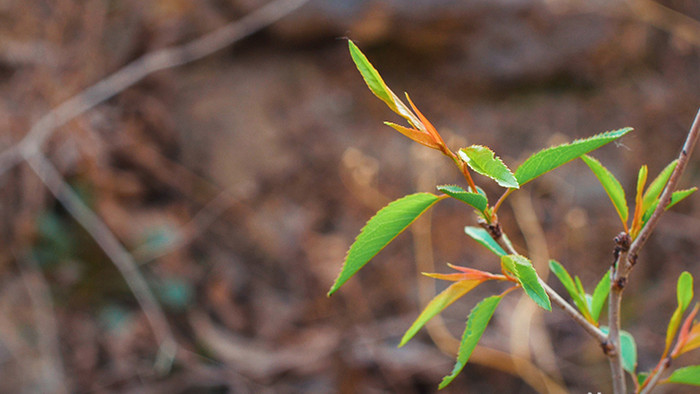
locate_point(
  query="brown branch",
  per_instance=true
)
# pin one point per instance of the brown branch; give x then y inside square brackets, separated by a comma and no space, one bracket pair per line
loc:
[135,71]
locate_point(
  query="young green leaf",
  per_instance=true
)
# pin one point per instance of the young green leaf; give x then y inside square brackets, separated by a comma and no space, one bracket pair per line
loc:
[638,202]
[551,158]
[476,200]
[437,304]
[657,186]
[684,294]
[482,160]
[680,195]
[611,185]
[687,375]
[482,236]
[376,84]
[477,321]
[629,352]
[676,197]
[523,270]
[380,230]
[563,275]
[641,378]
[600,294]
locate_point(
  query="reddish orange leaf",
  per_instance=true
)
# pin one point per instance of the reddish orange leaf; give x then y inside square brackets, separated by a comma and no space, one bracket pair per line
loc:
[428,126]
[689,336]
[416,135]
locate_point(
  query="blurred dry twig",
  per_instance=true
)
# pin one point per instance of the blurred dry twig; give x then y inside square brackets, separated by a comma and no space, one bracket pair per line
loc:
[29,149]
[135,71]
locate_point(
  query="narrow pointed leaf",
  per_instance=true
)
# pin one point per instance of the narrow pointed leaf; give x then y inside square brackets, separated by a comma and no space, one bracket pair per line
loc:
[436,305]
[380,230]
[680,195]
[414,134]
[551,158]
[657,186]
[684,294]
[482,236]
[376,84]
[429,128]
[688,375]
[482,160]
[611,185]
[676,197]
[527,276]
[466,274]
[563,275]
[638,202]
[689,335]
[477,321]
[600,294]
[476,200]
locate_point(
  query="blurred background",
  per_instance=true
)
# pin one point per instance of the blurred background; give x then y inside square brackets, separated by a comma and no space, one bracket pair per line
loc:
[235,183]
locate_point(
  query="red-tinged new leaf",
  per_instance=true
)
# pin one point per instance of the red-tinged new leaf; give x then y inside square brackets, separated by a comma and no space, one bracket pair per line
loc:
[684,294]
[428,126]
[688,375]
[415,134]
[437,304]
[687,339]
[639,198]
[466,274]
[477,321]
[612,187]
[380,230]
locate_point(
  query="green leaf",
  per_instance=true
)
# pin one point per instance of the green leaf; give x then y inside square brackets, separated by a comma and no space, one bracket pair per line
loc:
[437,304]
[628,349]
[680,195]
[600,294]
[376,84]
[684,290]
[482,160]
[563,275]
[687,375]
[676,197]
[611,185]
[523,270]
[476,200]
[483,237]
[380,230]
[629,352]
[551,158]
[641,378]
[657,186]
[684,294]
[477,321]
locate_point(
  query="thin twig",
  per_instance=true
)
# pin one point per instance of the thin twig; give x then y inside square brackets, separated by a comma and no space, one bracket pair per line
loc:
[626,261]
[665,198]
[655,376]
[613,342]
[116,252]
[135,71]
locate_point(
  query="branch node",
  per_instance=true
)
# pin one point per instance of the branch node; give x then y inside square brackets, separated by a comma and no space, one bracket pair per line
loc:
[621,283]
